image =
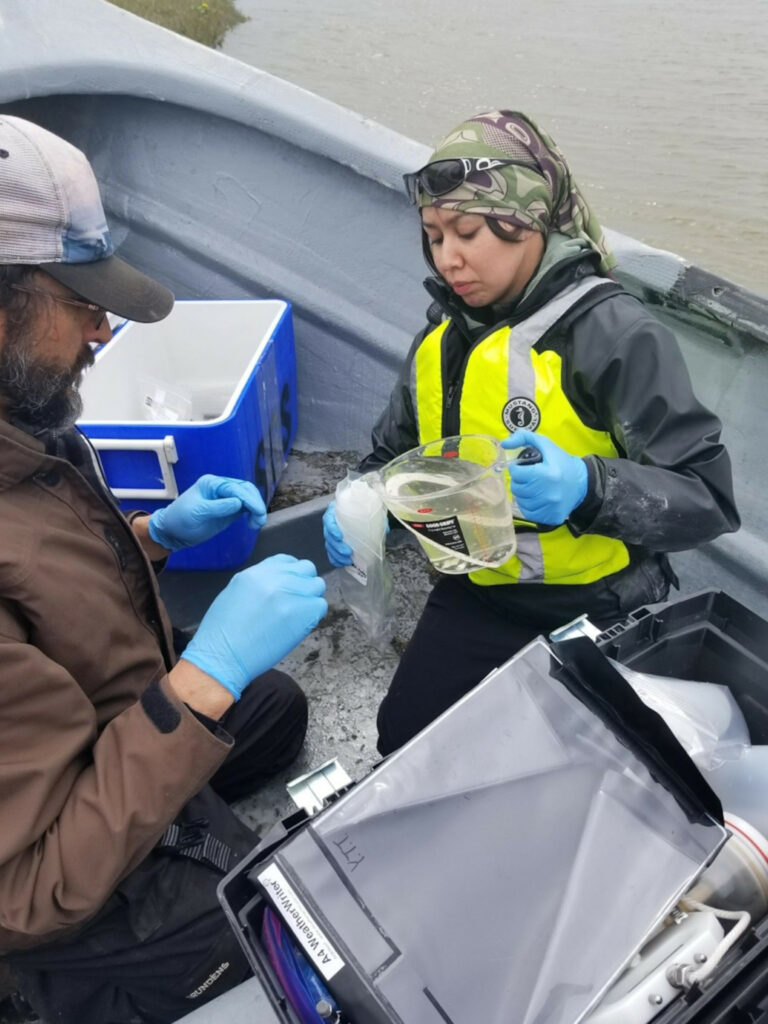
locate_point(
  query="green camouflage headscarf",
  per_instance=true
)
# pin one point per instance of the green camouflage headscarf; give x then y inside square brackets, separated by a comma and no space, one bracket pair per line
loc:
[537,193]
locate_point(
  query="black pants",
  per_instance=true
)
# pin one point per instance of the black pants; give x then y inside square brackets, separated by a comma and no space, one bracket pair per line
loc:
[465,631]
[162,945]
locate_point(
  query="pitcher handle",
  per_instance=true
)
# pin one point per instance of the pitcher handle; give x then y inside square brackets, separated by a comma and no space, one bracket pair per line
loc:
[527,456]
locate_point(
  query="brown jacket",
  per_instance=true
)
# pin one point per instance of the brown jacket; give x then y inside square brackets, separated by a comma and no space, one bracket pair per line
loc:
[98,754]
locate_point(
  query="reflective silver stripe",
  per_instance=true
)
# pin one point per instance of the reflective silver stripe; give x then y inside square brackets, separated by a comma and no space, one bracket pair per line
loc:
[531,558]
[521,378]
[529,331]
[521,382]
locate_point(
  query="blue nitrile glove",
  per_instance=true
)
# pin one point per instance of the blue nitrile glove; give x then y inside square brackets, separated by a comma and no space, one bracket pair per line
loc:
[339,553]
[206,508]
[548,491]
[261,615]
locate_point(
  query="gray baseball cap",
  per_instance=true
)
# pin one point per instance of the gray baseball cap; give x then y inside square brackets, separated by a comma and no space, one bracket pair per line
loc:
[51,216]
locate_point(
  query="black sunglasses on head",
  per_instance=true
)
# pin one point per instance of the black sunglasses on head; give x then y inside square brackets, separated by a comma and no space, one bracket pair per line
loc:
[443,176]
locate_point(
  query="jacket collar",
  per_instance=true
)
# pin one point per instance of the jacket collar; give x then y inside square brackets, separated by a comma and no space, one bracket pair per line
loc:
[565,260]
[21,455]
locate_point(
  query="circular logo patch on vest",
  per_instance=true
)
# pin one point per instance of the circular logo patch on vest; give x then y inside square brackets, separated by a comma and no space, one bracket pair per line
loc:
[520,414]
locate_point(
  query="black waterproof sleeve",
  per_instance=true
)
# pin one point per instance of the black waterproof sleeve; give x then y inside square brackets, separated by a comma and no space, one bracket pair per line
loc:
[624,372]
[396,430]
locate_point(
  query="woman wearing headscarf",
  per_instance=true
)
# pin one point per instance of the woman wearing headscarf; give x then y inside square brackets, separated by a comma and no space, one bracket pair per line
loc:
[530,340]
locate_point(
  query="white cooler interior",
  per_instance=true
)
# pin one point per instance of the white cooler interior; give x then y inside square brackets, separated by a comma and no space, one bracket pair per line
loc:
[189,367]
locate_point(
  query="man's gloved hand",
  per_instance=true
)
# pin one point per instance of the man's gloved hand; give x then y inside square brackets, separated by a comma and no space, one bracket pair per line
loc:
[206,508]
[339,553]
[261,615]
[548,491]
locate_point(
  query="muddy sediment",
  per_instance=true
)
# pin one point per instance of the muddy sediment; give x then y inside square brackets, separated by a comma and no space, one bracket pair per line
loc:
[311,474]
[345,677]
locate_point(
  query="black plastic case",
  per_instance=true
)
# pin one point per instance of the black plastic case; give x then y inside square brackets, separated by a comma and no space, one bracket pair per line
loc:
[707,637]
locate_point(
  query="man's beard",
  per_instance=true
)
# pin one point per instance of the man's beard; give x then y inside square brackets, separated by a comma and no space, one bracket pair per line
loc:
[38,395]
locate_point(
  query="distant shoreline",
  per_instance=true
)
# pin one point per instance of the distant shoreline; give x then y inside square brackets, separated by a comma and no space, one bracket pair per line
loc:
[205,21]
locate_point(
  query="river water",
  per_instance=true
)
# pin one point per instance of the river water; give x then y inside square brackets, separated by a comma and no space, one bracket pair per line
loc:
[660,106]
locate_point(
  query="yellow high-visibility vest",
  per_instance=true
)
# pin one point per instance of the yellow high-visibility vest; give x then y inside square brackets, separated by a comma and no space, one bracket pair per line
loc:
[507,384]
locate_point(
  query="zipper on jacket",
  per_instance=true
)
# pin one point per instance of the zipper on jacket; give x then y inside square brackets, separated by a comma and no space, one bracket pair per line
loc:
[455,347]
[451,417]
[114,542]
[105,495]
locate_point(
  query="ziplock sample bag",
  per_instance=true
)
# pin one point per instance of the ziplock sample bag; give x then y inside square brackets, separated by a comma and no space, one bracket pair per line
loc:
[501,867]
[367,585]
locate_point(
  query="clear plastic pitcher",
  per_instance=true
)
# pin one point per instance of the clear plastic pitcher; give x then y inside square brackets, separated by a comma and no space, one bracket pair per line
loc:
[453,494]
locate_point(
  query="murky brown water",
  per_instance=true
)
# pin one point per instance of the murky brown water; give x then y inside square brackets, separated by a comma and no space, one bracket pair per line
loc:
[661,106]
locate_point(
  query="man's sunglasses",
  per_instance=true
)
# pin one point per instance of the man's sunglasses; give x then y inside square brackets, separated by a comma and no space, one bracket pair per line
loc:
[444,176]
[97,312]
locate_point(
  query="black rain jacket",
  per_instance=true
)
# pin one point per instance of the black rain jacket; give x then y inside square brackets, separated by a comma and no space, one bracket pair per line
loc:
[623,372]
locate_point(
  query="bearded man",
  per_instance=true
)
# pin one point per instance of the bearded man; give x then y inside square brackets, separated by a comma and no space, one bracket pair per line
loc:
[117,759]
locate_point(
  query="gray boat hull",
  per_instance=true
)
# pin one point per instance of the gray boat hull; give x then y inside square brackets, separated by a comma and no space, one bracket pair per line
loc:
[222,181]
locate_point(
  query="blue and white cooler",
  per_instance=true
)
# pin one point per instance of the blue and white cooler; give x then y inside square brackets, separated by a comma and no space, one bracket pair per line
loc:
[210,389]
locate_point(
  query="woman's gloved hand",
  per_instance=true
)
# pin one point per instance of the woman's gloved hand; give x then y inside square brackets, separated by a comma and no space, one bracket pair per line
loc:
[261,615]
[206,508]
[339,553]
[548,491]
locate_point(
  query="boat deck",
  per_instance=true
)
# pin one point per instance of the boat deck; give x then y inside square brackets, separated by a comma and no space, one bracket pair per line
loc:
[342,673]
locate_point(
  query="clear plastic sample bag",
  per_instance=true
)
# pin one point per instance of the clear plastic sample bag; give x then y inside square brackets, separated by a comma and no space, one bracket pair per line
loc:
[367,585]
[704,717]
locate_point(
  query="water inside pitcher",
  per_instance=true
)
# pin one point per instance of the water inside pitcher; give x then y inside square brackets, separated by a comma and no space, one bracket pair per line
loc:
[453,494]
